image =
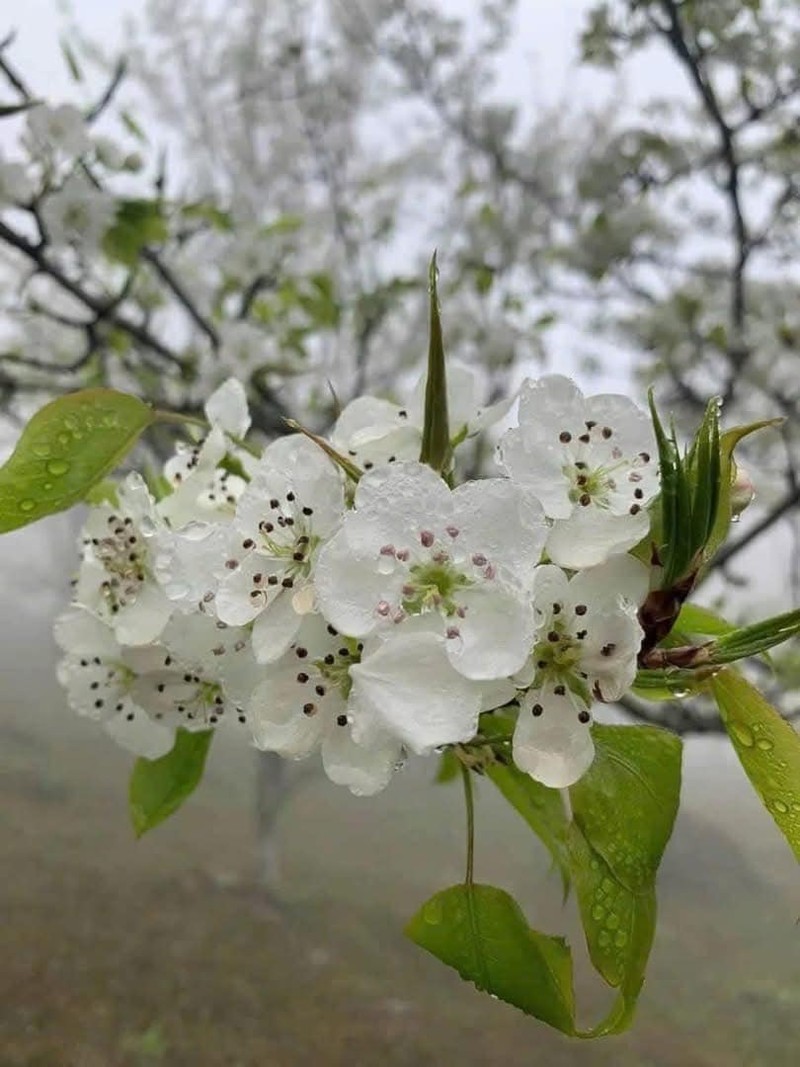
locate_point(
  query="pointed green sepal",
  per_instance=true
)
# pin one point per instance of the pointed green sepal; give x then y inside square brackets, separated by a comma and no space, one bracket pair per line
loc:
[436,448]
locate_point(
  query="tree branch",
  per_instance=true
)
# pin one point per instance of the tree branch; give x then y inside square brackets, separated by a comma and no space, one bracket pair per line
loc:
[103,310]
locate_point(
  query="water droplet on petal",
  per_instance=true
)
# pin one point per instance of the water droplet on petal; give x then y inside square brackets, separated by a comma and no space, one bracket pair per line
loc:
[196,531]
[743,734]
[57,466]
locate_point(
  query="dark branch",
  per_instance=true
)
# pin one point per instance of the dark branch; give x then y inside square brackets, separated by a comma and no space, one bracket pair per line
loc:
[103,310]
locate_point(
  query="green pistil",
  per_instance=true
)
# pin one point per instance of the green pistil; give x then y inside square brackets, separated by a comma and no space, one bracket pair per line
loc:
[208,692]
[433,585]
[556,661]
[338,673]
[295,568]
[585,483]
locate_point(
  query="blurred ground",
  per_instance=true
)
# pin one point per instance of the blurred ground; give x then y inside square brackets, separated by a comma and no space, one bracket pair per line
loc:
[116,953]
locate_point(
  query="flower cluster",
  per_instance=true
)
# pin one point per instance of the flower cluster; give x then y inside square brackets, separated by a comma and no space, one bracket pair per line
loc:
[371,618]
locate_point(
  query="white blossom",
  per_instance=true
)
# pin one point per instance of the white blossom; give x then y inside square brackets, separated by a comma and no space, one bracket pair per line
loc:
[301,705]
[77,213]
[116,580]
[292,504]
[371,431]
[587,642]
[16,185]
[189,533]
[98,677]
[412,546]
[590,462]
[58,129]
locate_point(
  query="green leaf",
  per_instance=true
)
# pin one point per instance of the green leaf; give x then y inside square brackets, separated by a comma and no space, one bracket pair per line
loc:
[755,639]
[672,499]
[540,807]
[670,683]
[436,449]
[66,448]
[727,473]
[768,749]
[138,223]
[159,787]
[703,471]
[695,619]
[132,126]
[71,60]
[619,927]
[626,803]
[481,932]
[623,810]
[207,211]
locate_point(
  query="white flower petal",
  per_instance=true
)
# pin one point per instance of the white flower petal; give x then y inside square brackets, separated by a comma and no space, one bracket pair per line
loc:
[408,685]
[610,649]
[504,522]
[364,769]
[276,715]
[552,746]
[349,586]
[141,621]
[140,734]
[591,536]
[275,629]
[621,576]
[540,467]
[80,633]
[494,638]
[407,489]
[227,408]
[233,603]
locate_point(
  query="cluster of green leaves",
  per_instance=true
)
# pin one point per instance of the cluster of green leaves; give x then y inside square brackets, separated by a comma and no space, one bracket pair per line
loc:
[609,850]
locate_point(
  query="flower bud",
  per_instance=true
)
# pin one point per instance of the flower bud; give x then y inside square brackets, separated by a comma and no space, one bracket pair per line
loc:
[742,492]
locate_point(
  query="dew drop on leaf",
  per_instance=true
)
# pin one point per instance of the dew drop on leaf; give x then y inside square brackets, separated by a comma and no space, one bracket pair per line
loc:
[743,734]
[27,505]
[780,806]
[764,744]
[57,466]
[432,912]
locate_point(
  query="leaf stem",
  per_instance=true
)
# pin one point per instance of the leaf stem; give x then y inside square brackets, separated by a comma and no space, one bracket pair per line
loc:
[470,804]
[179,418]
